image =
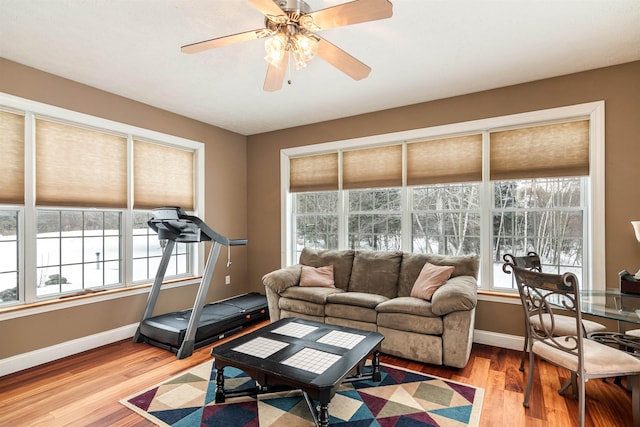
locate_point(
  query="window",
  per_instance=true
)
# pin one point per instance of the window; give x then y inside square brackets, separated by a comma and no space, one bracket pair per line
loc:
[316,216]
[527,182]
[147,252]
[445,219]
[77,250]
[546,216]
[375,219]
[79,193]
[9,259]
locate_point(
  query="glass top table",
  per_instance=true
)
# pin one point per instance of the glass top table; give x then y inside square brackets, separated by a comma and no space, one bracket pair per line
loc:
[611,304]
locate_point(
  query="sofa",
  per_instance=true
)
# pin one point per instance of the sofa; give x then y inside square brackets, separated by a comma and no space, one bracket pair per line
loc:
[372,290]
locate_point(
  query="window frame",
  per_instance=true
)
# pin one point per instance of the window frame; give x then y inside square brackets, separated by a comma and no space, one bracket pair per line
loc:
[595,268]
[28,211]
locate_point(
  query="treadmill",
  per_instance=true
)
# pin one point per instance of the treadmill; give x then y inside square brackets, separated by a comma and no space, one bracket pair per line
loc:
[182,332]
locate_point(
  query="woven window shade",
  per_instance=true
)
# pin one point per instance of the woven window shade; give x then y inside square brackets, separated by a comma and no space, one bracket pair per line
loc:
[79,167]
[313,173]
[162,176]
[372,167]
[542,151]
[12,164]
[457,159]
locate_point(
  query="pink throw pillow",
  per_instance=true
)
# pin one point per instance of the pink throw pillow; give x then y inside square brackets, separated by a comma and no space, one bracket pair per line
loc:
[320,276]
[431,278]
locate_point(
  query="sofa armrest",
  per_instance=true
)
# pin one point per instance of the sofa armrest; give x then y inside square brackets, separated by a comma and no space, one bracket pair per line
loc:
[459,293]
[280,280]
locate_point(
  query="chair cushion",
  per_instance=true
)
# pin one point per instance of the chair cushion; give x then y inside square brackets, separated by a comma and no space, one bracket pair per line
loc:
[599,359]
[565,325]
[633,332]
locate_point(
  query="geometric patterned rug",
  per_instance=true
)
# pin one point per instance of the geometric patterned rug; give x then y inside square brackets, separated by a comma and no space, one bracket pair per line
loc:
[402,398]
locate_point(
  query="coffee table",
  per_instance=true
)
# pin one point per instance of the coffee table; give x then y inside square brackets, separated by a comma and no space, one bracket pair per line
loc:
[293,353]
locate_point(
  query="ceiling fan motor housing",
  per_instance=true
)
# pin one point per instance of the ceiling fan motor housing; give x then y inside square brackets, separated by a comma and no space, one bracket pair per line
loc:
[293,6]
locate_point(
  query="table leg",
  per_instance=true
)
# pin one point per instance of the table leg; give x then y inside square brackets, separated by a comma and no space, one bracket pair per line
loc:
[375,366]
[220,385]
[323,415]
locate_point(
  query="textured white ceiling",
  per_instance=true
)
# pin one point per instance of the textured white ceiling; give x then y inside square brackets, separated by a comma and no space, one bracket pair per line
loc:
[429,49]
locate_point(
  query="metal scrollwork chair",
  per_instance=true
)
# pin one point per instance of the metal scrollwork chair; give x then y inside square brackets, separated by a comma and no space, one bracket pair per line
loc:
[564,325]
[541,293]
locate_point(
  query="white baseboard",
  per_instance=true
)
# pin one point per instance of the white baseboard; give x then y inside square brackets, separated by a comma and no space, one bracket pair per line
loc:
[495,339]
[58,351]
[68,348]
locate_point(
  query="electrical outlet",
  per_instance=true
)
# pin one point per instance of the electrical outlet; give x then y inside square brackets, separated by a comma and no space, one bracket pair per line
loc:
[227,280]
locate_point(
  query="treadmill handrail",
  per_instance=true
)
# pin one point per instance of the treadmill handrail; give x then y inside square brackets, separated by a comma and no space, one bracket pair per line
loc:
[173,223]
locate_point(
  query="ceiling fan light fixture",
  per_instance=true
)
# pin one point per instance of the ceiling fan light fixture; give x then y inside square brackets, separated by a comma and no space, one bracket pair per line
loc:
[304,47]
[276,46]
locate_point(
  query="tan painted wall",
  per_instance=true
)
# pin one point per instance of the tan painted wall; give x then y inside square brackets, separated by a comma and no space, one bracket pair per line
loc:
[243,187]
[618,86]
[225,208]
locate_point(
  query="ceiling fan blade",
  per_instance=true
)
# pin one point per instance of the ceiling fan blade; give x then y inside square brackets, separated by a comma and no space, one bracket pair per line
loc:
[342,60]
[267,7]
[221,41]
[275,74]
[353,12]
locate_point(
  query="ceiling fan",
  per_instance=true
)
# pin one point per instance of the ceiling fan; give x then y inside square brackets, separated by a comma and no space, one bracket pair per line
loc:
[290,32]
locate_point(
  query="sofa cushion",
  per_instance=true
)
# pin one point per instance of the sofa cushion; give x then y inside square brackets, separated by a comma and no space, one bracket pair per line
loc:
[406,305]
[305,308]
[359,299]
[376,272]
[410,345]
[412,265]
[411,323]
[431,278]
[458,293]
[361,314]
[316,294]
[342,262]
[317,276]
[350,323]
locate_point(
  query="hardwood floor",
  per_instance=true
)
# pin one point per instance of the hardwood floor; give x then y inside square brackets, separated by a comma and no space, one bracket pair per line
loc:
[84,390]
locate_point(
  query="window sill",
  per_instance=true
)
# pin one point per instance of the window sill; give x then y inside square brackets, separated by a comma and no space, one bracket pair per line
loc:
[501,297]
[89,297]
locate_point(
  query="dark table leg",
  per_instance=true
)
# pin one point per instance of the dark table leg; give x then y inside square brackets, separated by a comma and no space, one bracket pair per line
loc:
[220,385]
[323,415]
[375,365]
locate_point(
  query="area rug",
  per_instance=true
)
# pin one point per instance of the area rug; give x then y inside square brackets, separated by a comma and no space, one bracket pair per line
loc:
[401,398]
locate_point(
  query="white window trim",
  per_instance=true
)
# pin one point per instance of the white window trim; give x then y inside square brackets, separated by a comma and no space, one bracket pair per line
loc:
[31,109]
[596,267]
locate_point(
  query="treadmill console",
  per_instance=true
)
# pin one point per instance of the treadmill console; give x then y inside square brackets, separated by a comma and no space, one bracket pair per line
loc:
[173,223]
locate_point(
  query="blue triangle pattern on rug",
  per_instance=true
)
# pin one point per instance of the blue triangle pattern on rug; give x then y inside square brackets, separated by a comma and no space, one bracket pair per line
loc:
[401,399]
[459,413]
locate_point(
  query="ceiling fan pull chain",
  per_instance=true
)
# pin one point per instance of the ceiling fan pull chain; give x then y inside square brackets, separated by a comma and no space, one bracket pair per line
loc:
[291,59]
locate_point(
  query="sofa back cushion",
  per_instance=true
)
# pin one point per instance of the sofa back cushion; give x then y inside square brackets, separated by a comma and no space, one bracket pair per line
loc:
[376,272]
[412,265]
[342,262]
